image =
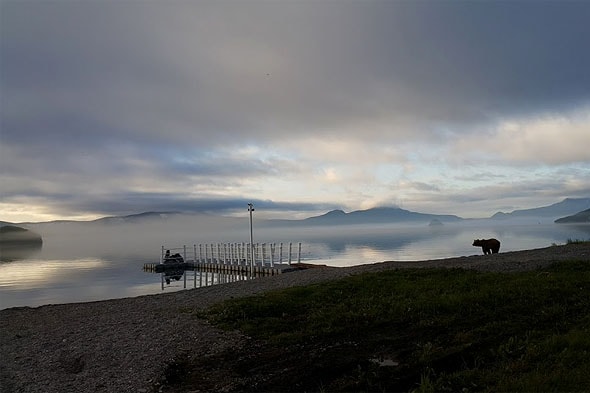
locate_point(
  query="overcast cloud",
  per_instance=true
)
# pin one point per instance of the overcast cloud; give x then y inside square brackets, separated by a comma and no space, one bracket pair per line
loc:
[452,107]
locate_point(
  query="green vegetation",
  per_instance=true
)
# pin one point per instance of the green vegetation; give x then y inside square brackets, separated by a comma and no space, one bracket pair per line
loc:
[422,330]
[577,241]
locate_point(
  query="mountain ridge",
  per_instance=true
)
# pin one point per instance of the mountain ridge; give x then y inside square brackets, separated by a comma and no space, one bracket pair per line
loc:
[383,214]
[377,215]
[566,207]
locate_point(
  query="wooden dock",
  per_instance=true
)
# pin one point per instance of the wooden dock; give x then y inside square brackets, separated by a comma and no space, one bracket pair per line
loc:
[218,268]
[218,263]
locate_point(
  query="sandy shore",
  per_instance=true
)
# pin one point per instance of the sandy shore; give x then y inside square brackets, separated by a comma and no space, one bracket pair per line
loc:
[123,345]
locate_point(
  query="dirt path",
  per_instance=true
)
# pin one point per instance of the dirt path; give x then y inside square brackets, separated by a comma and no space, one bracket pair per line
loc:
[123,345]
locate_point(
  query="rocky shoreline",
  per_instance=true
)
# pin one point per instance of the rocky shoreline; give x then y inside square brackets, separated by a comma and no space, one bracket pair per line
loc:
[124,345]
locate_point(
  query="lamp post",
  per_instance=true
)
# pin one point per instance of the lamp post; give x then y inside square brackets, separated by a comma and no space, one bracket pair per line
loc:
[251,209]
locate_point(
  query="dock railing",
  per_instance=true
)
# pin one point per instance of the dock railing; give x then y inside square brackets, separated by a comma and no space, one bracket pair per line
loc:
[264,254]
[217,263]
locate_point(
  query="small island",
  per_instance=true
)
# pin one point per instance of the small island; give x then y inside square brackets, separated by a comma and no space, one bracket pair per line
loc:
[16,236]
[435,223]
[18,243]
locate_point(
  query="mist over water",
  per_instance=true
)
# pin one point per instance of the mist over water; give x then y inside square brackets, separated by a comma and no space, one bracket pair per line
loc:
[97,261]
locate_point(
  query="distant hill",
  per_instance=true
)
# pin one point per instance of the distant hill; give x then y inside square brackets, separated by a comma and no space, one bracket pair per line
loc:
[134,218]
[582,217]
[16,235]
[377,215]
[566,207]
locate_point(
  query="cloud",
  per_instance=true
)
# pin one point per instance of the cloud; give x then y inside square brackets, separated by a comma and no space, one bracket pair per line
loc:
[550,139]
[326,103]
[148,70]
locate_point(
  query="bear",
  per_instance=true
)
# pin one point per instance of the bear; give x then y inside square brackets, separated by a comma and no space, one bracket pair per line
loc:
[489,246]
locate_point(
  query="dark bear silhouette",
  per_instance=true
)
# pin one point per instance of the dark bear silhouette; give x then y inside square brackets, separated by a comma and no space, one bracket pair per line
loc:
[489,246]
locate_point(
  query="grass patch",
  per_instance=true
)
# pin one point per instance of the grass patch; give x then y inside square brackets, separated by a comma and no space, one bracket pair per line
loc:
[423,330]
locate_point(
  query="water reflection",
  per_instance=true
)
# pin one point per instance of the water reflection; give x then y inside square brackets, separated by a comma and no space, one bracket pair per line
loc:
[41,273]
[195,278]
[10,252]
[173,274]
[361,245]
[73,267]
[199,277]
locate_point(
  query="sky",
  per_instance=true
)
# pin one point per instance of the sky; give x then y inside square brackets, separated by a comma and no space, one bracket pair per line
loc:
[299,107]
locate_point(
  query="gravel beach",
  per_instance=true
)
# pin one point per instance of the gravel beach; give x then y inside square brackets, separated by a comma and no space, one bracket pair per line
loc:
[123,345]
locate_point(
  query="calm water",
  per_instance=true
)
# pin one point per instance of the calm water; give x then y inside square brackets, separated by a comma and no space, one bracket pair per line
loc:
[76,266]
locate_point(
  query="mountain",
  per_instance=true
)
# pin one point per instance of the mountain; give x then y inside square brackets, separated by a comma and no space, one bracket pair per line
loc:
[377,215]
[582,217]
[566,207]
[383,215]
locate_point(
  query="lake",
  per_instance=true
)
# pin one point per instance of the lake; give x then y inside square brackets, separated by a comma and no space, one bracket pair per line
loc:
[78,264]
